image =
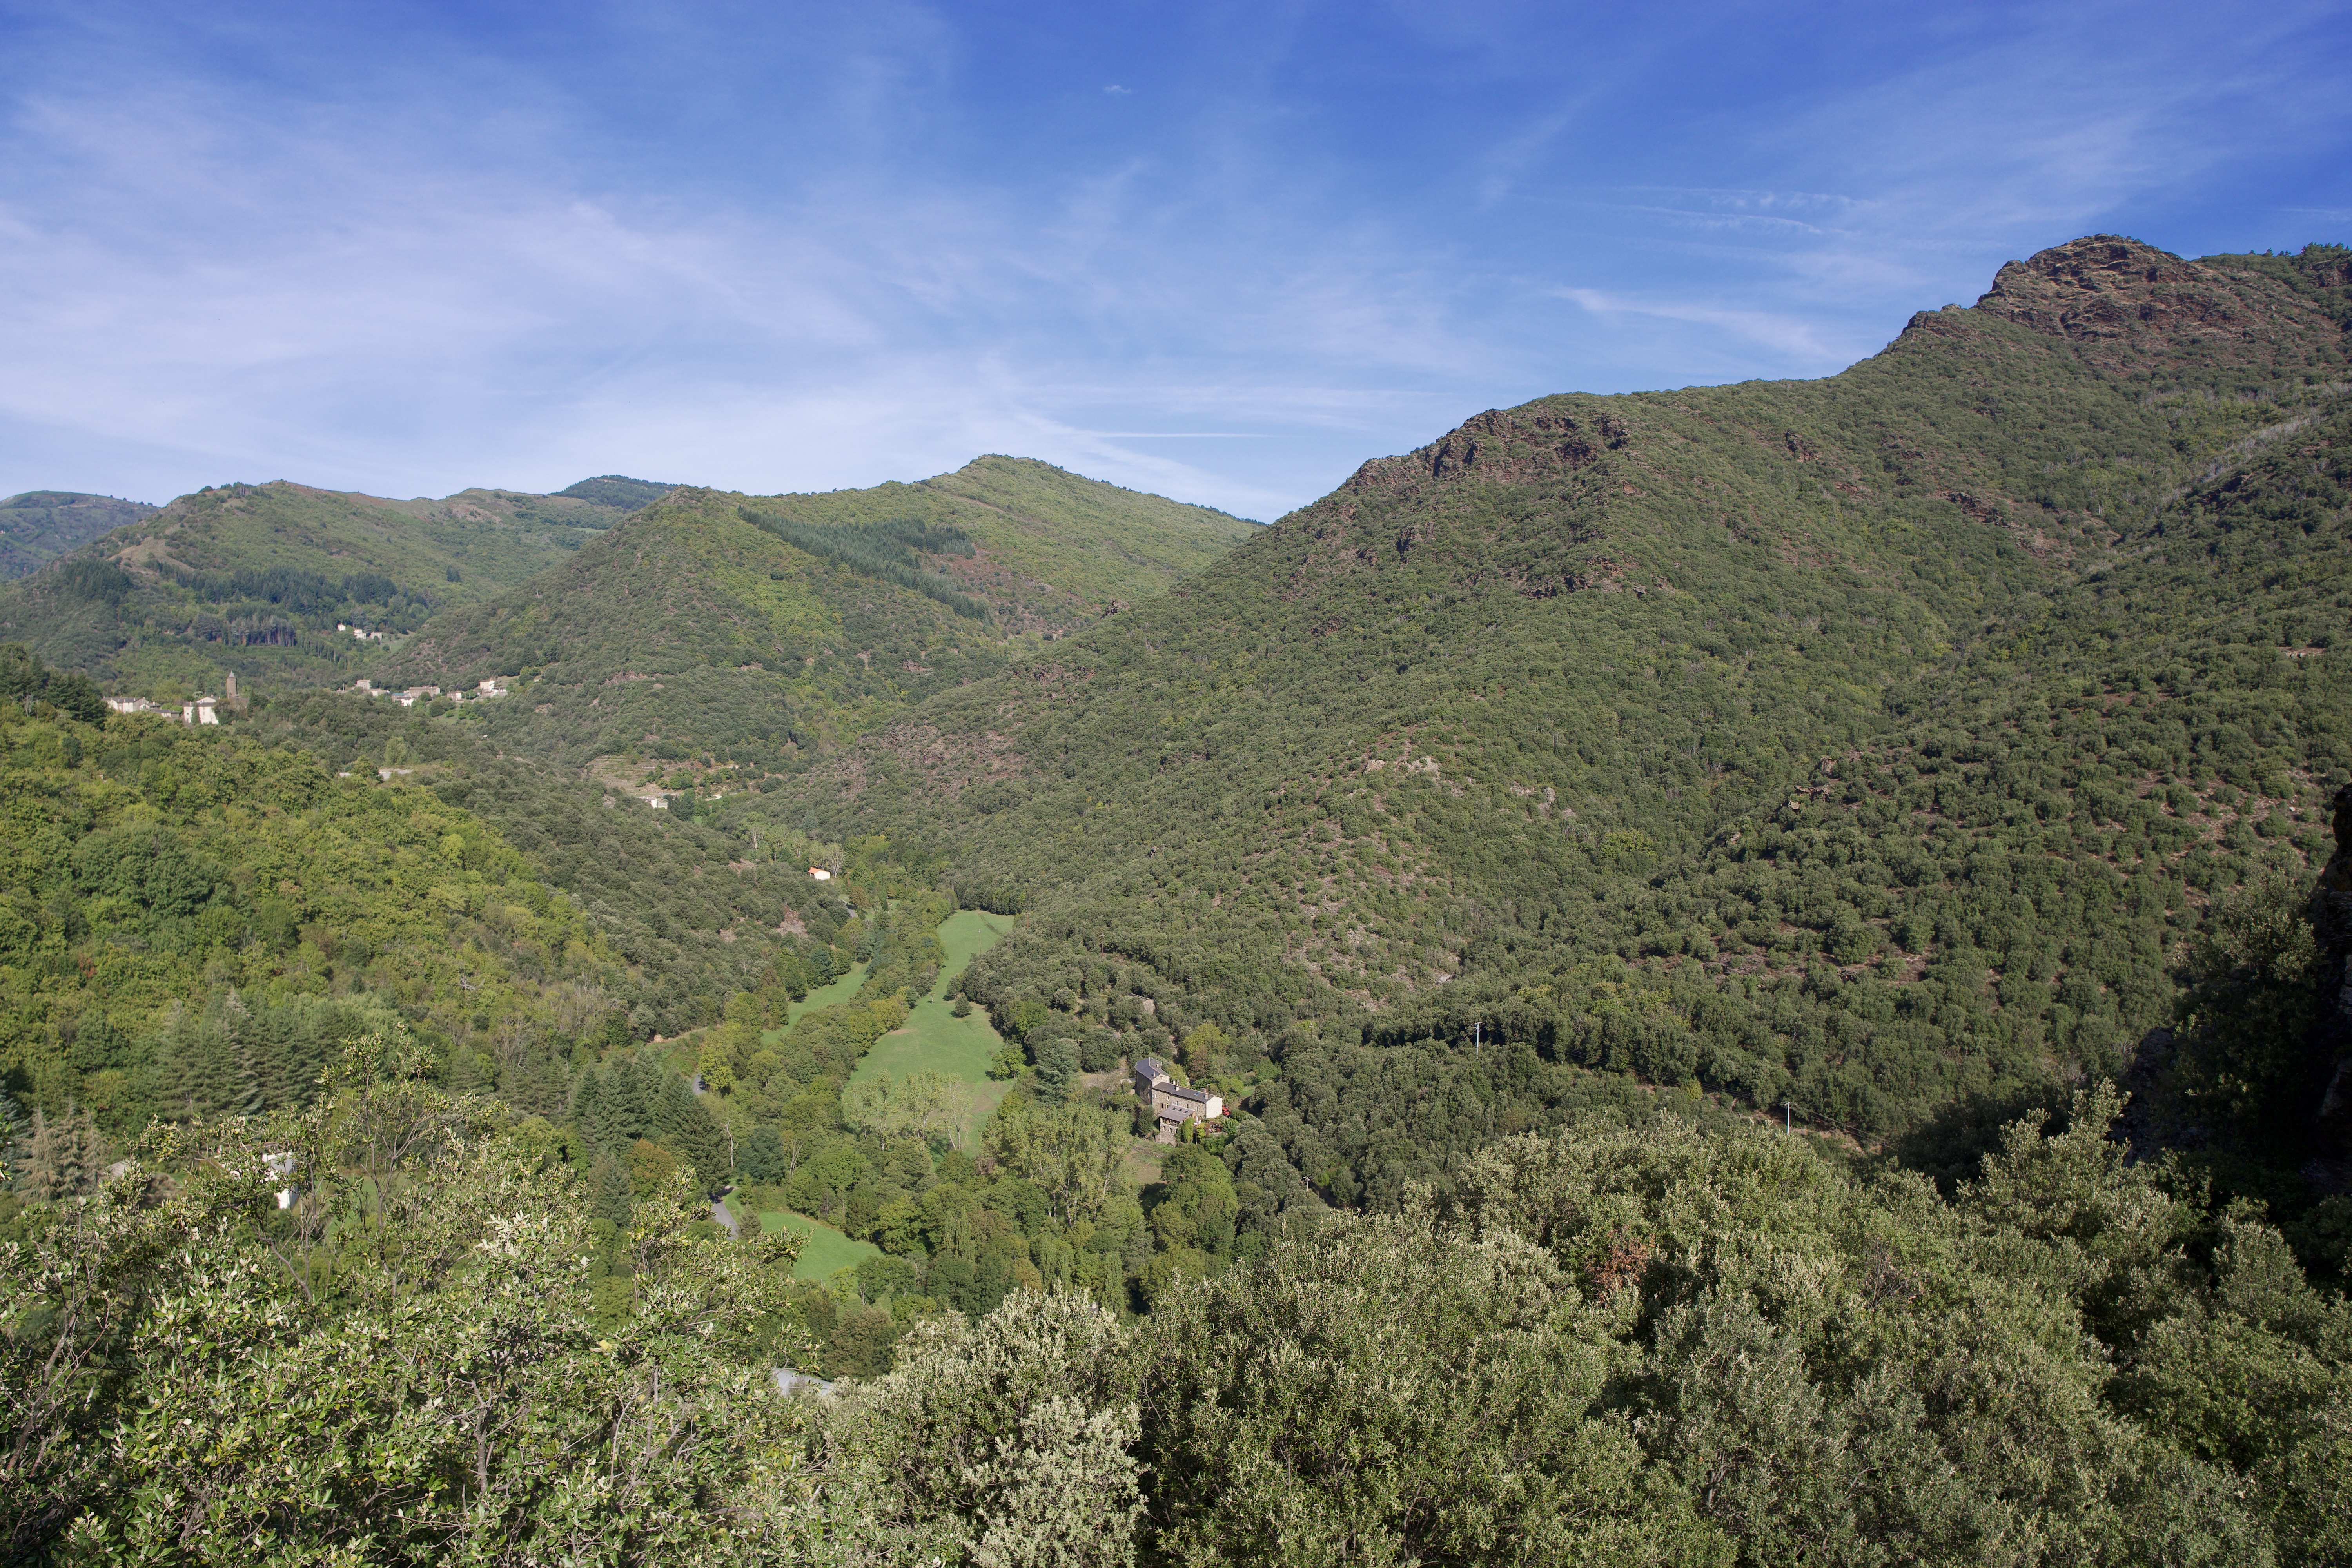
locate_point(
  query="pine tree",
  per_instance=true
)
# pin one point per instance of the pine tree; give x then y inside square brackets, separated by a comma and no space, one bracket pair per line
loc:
[686,1126]
[88,1152]
[240,1091]
[63,1158]
[609,1194]
[587,1102]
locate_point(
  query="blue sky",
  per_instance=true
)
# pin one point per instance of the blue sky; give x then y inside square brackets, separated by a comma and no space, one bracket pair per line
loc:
[1224,252]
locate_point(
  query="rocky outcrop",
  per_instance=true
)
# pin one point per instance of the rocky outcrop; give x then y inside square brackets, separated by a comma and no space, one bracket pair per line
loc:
[2127,306]
[1503,446]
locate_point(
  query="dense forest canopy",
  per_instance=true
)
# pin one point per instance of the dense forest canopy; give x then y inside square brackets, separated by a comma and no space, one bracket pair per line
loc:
[1776,953]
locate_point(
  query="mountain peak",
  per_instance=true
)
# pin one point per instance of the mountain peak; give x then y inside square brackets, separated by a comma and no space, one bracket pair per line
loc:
[617,490]
[2128,306]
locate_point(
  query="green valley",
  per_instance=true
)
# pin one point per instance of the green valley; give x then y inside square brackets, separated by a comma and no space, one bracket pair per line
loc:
[1750,738]
[1774,958]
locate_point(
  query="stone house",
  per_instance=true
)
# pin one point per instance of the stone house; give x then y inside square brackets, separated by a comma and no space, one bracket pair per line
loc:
[1172,1104]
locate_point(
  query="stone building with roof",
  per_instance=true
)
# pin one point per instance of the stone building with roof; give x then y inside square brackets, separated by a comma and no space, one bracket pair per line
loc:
[1172,1104]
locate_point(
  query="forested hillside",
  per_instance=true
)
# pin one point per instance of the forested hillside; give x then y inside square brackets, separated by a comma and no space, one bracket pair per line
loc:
[254,579]
[39,526]
[417,1146]
[1872,743]
[717,637]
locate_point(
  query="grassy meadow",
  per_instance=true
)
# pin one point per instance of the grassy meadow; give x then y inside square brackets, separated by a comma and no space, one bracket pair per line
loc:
[825,1251]
[934,1040]
[830,994]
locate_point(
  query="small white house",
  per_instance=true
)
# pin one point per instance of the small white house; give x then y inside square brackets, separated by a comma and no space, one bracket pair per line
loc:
[819,874]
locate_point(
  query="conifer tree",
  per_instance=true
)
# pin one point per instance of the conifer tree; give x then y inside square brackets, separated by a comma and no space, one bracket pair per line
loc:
[609,1193]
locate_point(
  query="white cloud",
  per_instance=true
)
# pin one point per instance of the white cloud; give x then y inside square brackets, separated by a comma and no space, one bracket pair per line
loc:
[1784,333]
[461,274]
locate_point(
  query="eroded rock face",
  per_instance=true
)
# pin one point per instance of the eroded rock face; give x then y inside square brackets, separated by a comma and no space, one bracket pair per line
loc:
[2126,304]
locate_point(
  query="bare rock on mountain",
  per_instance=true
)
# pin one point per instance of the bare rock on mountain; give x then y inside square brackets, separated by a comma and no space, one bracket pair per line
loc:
[2126,305]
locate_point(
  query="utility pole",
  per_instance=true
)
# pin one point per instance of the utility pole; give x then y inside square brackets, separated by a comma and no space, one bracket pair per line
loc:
[1787,1121]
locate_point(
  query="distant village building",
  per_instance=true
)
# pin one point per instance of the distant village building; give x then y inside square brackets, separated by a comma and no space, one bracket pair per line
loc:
[818,873]
[202,710]
[1172,1104]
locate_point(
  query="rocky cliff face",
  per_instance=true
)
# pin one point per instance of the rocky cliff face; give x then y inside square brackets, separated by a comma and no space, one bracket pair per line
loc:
[2126,305]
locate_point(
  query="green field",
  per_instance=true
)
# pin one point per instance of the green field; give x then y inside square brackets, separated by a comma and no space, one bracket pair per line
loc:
[934,1040]
[966,934]
[830,994]
[825,1251]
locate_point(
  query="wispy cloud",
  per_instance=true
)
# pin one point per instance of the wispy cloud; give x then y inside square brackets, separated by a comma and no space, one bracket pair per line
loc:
[831,246]
[1784,333]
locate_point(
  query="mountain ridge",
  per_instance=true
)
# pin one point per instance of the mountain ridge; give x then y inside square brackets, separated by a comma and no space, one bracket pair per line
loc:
[38,526]
[765,652]
[1570,646]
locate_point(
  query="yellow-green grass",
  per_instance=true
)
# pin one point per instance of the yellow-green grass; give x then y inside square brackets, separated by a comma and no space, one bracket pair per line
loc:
[935,1040]
[830,994]
[825,1251]
[966,934]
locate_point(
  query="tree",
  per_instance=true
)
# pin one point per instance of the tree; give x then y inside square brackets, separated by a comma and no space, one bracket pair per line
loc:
[1072,1153]
[1007,1440]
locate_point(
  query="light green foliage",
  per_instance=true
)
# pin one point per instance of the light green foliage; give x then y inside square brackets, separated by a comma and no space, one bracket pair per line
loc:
[660,886]
[193,921]
[1380,1395]
[1004,1443]
[400,1366]
[1070,1152]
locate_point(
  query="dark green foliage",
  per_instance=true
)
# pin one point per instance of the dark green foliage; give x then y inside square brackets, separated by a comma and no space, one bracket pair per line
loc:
[617,490]
[890,551]
[41,525]
[760,1156]
[102,581]
[1873,744]
[24,681]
